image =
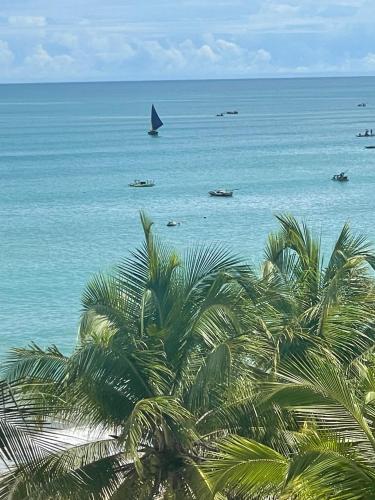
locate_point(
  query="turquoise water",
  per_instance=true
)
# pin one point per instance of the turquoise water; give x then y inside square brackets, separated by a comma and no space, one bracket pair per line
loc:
[68,152]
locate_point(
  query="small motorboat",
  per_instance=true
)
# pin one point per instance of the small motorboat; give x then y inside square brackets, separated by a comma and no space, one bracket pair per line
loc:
[232,112]
[221,192]
[340,177]
[142,184]
[173,223]
[220,114]
[370,147]
[361,105]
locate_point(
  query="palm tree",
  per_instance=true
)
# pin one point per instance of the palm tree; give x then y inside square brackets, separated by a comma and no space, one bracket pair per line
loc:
[192,374]
[318,317]
[162,359]
[333,453]
[302,301]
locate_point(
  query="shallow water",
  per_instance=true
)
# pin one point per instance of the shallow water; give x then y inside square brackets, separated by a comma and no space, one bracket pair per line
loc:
[68,152]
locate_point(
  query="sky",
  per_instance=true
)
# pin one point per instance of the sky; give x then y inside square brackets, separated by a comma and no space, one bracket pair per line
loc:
[91,40]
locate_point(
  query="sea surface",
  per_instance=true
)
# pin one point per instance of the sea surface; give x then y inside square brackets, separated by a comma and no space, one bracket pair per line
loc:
[68,152]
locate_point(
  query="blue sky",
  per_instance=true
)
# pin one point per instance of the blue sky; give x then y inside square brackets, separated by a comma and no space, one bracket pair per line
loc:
[79,40]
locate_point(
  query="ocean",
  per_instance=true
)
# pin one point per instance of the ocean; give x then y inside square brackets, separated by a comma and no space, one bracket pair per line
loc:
[69,151]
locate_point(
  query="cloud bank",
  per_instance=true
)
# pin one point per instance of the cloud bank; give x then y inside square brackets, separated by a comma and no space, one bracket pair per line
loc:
[136,40]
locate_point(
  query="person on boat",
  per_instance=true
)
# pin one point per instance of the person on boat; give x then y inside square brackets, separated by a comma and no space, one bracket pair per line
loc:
[366,133]
[371,132]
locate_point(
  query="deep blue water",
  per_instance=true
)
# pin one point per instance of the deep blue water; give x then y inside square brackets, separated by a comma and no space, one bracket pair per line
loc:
[68,152]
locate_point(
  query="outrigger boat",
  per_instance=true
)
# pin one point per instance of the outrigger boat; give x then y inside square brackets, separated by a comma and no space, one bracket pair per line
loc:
[340,177]
[142,184]
[221,192]
[156,123]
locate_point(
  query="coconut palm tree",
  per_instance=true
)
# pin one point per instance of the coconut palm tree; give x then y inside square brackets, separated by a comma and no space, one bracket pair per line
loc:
[333,453]
[184,372]
[161,362]
[302,301]
[318,317]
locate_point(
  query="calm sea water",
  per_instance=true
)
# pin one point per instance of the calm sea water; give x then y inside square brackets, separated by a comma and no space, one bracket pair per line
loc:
[68,152]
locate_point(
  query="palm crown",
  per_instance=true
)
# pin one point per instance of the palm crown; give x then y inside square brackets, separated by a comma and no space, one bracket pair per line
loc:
[160,344]
[302,301]
[200,377]
[319,319]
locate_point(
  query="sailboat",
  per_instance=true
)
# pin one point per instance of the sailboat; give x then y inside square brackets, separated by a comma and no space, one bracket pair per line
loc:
[155,122]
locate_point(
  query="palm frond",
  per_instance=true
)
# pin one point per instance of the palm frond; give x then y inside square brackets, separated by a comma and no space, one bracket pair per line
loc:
[245,467]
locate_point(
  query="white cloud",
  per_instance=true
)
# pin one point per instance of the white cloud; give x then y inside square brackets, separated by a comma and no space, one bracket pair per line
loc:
[206,52]
[304,16]
[213,58]
[183,55]
[65,39]
[27,21]
[6,55]
[191,39]
[42,61]
[229,47]
[369,61]
[169,57]
[110,48]
[262,56]
[283,9]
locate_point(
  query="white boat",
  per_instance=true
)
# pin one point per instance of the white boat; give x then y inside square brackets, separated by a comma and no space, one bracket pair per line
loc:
[173,223]
[142,184]
[221,192]
[156,123]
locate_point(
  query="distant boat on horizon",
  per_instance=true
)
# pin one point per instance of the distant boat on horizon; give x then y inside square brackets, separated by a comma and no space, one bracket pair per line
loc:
[156,122]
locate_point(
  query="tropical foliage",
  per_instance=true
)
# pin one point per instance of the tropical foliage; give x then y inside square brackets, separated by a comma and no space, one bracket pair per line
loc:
[202,378]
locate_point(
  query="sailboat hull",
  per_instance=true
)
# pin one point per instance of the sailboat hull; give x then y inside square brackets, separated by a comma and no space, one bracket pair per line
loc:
[153,132]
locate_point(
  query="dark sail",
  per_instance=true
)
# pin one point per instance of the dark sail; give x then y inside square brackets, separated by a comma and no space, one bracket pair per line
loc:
[155,120]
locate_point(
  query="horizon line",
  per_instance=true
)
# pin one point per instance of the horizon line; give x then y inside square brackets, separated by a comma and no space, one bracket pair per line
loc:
[295,77]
